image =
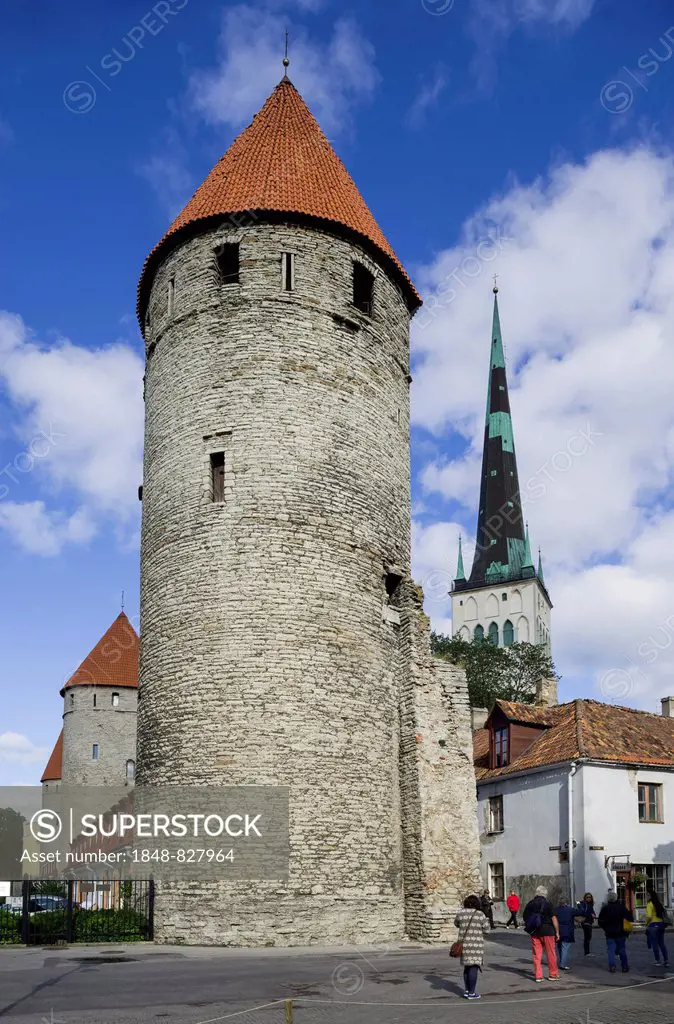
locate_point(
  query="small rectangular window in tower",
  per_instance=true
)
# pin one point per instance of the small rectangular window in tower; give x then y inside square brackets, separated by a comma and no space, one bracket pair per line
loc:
[171,295]
[288,271]
[115,700]
[363,288]
[227,259]
[217,476]
[94,752]
[94,700]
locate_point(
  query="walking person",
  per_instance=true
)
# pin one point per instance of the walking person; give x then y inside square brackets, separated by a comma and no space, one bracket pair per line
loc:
[586,906]
[566,916]
[542,925]
[513,905]
[473,925]
[613,918]
[487,907]
[656,925]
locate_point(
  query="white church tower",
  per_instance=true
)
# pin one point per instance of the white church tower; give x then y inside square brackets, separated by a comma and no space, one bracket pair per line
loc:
[505,597]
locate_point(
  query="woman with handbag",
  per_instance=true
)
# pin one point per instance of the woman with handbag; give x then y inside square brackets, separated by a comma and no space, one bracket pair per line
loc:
[472,925]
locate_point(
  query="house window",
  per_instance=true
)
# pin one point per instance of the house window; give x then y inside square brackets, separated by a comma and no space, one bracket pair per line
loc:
[171,295]
[217,476]
[496,814]
[493,634]
[288,271]
[650,802]
[130,769]
[363,288]
[501,747]
[657,879]
[115,700]
[227,259]
[478,633]
[497,882]
[94,752]
[508,633]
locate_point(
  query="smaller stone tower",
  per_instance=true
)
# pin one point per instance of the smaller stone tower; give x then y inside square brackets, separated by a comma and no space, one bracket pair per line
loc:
[97,746]
[505,597]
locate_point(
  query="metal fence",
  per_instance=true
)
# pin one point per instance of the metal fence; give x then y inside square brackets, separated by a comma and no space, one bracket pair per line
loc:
[53,912]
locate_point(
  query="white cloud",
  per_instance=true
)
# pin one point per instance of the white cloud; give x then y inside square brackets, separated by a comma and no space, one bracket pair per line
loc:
[429,92]
[587,314]
[332,76]
[18,749]
[77,418]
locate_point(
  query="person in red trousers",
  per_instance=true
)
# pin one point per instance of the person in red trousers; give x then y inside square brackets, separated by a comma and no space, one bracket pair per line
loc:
[543,927]
[513,905]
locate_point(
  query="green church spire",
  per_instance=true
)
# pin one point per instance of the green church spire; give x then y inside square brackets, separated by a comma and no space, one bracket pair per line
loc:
[540,567]
[460,574]
[528,560]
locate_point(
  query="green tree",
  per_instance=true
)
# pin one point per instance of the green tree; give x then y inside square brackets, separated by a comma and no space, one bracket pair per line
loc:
[11,843]
[504,673]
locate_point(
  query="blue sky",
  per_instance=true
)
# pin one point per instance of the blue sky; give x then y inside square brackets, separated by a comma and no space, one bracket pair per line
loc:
[531,138]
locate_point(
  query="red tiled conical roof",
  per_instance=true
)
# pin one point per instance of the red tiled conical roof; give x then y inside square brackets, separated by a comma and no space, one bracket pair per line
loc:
[113,661]
[281,162]
[52,772]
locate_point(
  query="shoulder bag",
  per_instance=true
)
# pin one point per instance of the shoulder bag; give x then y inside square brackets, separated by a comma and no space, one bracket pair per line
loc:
[456,948]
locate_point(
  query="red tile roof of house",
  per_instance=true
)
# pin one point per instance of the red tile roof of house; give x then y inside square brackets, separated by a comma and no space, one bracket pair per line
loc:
[52,772]
[282,163]
[583,729]
[113,661]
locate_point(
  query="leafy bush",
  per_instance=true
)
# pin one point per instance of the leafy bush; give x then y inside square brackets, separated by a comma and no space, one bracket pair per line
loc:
[102,925]
[10,927]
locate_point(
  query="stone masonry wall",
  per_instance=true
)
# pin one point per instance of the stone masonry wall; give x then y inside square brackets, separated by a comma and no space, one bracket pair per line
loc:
[439,802]
[265,657]
[112,728]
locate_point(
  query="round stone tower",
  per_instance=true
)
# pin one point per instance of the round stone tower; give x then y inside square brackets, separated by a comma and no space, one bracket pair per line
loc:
[98,743]
[276,529]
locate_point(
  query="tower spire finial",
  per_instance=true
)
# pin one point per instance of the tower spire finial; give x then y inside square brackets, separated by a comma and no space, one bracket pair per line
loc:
[286,59]
[122,600]
[495,288]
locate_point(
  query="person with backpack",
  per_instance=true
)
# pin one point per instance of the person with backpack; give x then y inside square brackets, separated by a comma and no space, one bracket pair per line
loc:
[616,921]
[513,905]
[472,924]
[541,924]
[586,907]
[656,925]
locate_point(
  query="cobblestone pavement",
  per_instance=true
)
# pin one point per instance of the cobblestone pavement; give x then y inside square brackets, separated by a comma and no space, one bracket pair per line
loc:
[131,985]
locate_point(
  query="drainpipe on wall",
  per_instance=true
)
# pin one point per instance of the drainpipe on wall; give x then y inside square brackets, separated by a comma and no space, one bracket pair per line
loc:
[569,788]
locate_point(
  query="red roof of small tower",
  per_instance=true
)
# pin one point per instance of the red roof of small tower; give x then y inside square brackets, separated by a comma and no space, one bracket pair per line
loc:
[281,162]
[113,661]
[52,772]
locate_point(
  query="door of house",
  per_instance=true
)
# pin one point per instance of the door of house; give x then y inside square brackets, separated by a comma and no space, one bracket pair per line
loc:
[623,888]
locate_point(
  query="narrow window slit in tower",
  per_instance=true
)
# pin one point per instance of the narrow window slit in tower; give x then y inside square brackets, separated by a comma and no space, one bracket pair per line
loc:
[94,700]
[363,288]
[218,476]
[227,259]
[171,295]
[94,752]
[288,271]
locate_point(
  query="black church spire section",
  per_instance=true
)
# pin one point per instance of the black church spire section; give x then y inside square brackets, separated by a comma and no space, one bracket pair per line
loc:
[501,552]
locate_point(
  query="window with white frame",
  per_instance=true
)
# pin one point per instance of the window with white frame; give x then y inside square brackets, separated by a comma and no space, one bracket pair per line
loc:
[496,814]
[650,802]
[657,879]
[497,881]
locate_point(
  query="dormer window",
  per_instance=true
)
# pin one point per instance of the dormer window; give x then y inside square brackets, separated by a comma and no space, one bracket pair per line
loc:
[501,747]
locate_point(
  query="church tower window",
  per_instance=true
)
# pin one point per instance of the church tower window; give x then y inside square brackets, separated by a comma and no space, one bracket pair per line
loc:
[508,633]
[478,633]
[493,633]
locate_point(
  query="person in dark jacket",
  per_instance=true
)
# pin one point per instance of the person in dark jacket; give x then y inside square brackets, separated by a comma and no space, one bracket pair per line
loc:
[586,905]
[612,917]
[541,924]
[487,907]
[566,916]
